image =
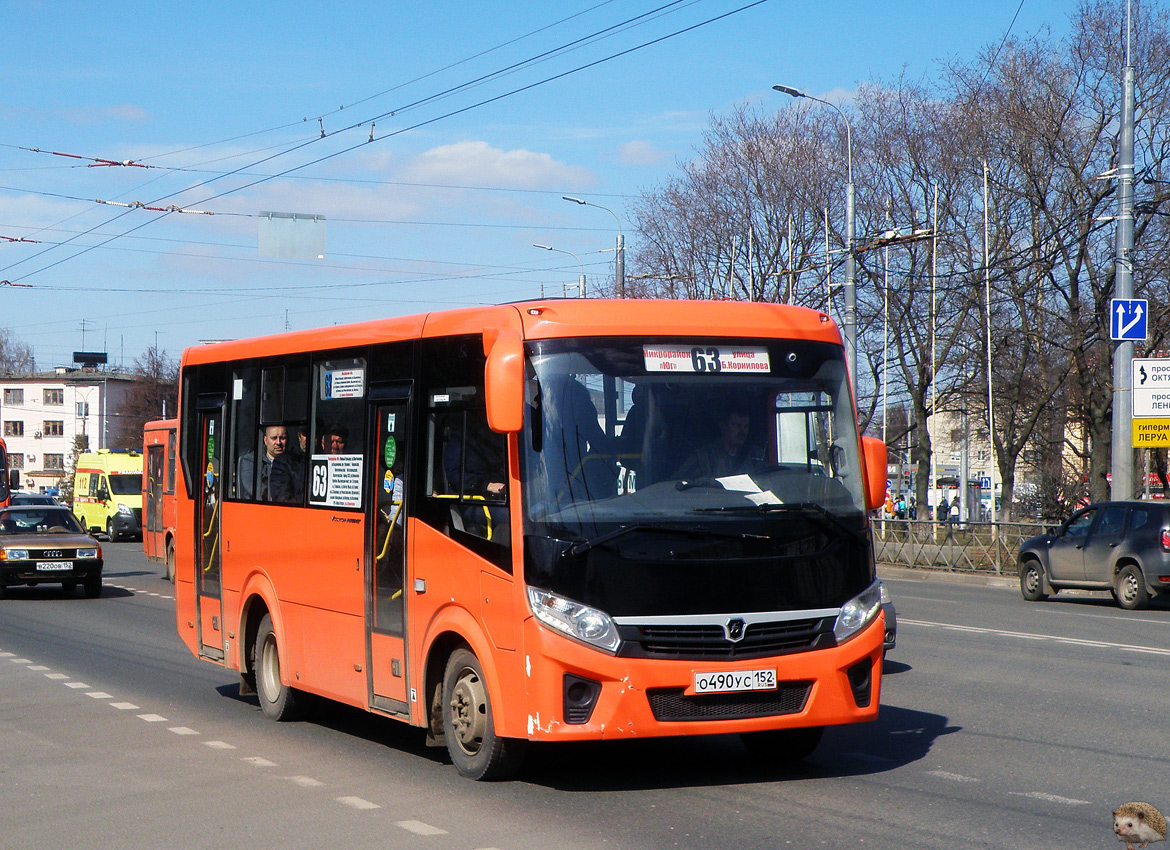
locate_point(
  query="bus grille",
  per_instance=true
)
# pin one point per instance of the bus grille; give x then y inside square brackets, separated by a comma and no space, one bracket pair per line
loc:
[656,640]
[672,704]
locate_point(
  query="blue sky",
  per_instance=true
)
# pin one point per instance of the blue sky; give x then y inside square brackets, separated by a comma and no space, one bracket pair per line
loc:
[439,210]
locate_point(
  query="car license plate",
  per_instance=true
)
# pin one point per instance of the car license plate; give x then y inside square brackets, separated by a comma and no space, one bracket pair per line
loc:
[51,566]
[727,681]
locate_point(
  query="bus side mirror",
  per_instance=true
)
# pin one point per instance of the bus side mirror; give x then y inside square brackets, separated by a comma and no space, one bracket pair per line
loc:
[504,380]
[873,456]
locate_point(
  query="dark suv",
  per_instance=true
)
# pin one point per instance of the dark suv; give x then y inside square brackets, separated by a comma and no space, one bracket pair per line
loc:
[1122,547]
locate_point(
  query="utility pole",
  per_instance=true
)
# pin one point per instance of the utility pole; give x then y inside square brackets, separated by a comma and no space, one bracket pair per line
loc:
[1122,447]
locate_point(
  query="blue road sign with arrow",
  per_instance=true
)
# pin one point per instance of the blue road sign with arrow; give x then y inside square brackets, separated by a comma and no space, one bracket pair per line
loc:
[1127,319]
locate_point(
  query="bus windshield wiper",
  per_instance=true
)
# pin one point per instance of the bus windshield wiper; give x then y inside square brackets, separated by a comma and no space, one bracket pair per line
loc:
[808,509]
[579,547]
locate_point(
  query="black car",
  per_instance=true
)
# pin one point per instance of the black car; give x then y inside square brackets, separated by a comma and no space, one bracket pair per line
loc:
[45,544]
[22,498]
[1122,547]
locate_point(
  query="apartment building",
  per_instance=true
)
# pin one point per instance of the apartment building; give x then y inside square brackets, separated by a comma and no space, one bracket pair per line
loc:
[42,414]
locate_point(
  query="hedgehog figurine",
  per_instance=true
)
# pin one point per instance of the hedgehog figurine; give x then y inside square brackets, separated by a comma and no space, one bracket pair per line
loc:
[1138,823]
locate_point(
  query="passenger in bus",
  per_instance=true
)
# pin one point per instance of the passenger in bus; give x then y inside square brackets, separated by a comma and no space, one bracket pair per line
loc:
[275,444]
[333,439]
[728,454]
[575,445]
[286,483]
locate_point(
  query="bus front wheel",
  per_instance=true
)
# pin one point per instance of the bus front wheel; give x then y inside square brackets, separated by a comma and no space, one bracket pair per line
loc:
[277,700]
[476,751]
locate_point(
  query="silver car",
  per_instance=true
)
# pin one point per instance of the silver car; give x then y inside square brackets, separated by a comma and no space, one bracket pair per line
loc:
[1122,547]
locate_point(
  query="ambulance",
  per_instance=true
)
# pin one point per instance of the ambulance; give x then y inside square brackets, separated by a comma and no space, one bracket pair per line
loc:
[107,493]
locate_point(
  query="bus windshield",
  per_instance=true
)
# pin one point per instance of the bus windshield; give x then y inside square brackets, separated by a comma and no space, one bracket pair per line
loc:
[663,476]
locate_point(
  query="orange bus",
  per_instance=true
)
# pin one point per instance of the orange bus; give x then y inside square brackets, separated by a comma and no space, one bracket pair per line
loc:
[9,478]
[160,448]
[512,524]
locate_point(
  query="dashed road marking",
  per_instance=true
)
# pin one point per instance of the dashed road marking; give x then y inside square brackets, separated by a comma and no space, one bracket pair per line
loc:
[56,676]
[124,706]
[952,777]
[219,745]
[1051,798]
[305,781]
[100,695]
[152,718]
[182,730]
[357,803]
[420,828]
[75,685]
[256,761]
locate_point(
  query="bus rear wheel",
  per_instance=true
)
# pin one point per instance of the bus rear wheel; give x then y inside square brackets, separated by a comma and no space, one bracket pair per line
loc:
[277,700]
[468,727]
[170,560]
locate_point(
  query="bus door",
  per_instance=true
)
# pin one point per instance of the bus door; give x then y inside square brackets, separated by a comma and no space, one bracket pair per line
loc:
[152,507]
[386,551]
[209,588]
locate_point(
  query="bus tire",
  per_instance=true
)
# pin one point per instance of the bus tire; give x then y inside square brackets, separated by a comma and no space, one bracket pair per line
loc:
[110,531]
[277,700]
[468,726]
[783,745]
[170,569]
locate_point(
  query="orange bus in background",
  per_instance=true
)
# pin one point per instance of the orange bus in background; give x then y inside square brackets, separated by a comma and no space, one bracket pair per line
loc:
[9,479]
[512,524]
[160,449]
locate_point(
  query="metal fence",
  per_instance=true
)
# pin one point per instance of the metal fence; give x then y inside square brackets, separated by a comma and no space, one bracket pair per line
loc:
[966,547]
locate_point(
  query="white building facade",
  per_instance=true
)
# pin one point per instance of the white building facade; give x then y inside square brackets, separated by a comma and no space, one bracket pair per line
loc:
[41,415]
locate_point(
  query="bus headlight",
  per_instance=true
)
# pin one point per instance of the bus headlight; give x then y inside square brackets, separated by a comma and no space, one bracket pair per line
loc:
[858,612]
[125,510]
[575,620]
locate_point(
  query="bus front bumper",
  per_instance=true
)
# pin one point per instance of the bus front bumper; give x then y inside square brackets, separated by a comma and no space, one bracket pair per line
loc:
[578,693]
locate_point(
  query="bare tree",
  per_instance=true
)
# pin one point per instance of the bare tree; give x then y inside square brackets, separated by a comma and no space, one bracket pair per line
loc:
[153,395]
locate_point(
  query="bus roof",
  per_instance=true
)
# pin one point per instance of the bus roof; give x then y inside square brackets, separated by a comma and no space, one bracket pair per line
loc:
[548,319]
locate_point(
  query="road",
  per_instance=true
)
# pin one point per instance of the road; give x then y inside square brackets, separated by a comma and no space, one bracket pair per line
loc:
[1004,724]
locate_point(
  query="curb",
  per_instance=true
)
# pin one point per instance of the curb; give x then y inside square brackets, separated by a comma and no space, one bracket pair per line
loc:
[980,579]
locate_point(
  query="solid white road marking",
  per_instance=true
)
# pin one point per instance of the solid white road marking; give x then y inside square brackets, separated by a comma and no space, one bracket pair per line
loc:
[1097,644]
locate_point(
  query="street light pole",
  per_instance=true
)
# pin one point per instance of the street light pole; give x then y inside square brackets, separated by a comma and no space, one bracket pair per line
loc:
[581,284]
[1122,442]
[850,328]
[619,263]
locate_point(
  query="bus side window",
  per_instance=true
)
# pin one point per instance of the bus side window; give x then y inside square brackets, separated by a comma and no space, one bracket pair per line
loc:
[470,473]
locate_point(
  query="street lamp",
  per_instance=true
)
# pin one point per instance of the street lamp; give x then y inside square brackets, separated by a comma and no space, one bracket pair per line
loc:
[581,284]
[850,328]
[619,263]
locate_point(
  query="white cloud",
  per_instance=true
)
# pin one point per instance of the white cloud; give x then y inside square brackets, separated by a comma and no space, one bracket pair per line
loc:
[483,165]
[641,152]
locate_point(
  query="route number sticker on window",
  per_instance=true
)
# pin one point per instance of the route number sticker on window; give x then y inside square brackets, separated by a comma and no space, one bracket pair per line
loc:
[705,358]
